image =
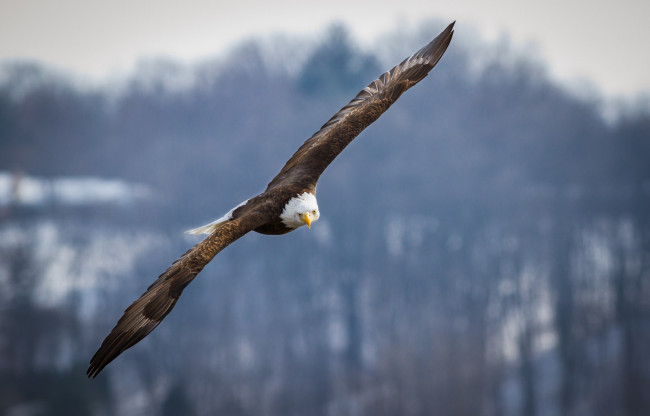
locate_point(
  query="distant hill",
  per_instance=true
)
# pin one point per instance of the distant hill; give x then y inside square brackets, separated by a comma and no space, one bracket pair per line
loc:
[483,249]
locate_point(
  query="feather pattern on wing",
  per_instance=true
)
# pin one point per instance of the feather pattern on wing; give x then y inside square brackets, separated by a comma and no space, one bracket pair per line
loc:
[313,157]
[144,315]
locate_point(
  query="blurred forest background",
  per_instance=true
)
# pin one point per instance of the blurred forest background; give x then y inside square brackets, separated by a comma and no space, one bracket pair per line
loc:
[483,249]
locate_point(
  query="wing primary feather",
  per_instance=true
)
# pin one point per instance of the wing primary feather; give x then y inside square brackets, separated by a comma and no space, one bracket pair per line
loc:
[320,149]
[146,313]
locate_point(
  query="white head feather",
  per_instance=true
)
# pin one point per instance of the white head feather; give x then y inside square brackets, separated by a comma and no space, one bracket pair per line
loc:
[300,210]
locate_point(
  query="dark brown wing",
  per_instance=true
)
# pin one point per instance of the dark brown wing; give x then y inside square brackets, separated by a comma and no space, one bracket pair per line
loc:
[311,159]
[144,315]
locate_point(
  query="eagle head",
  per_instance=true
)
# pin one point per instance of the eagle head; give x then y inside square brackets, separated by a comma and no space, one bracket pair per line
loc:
[300,210]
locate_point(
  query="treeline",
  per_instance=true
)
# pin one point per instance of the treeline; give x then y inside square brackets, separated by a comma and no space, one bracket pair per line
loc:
[484,247]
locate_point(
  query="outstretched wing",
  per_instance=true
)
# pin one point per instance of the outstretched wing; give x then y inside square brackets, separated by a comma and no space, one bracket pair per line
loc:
[319,151]
[144,315]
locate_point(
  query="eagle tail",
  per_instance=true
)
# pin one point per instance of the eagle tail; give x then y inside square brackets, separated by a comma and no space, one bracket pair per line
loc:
[216,224]
[208,228]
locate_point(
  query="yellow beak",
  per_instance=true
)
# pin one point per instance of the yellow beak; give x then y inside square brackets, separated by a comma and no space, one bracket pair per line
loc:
[307,219]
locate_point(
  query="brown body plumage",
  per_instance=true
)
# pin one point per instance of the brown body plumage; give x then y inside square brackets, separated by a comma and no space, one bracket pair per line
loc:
[262,213]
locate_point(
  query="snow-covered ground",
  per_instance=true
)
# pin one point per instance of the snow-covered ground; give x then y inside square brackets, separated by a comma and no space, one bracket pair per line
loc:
[78,259]
[21,189]
[75,257]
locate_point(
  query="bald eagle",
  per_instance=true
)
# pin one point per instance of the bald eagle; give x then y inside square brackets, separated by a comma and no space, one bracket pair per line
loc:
[288,202]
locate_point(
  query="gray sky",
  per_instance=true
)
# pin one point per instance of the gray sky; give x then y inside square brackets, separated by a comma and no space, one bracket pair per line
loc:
[606,42]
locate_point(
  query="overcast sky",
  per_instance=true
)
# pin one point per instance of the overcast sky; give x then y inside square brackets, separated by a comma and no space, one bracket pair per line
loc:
[606,42]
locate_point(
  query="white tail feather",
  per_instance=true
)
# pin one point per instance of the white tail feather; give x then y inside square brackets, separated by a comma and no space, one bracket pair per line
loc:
[207,228]
[214,225]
